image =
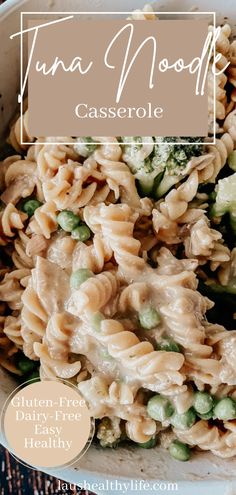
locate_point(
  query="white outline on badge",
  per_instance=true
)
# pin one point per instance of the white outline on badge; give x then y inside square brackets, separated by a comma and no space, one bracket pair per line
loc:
[212,142]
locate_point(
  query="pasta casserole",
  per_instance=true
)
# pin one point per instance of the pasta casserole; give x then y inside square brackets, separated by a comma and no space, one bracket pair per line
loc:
[118,273]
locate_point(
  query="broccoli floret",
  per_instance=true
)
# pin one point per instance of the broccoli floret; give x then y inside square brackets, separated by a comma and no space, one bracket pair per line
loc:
[226,200]
[109,432]
[159,164]
[85,146]
[176,156]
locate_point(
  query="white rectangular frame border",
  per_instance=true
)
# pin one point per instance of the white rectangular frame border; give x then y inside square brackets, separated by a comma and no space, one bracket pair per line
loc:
[107,13]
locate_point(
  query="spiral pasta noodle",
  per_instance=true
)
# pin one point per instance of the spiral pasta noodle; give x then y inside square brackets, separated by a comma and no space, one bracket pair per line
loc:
[20,256]
[7,351]
[50,157]
[152,366]
[44,220]
[232,70]
[12,287]
[134,297]
[53,368]
[20,182]
[94,256]
[12,329]
[15,133]
[58,334]
[116,222]
[211,438]
[34,320]
[11,220]
[69,188]
[108,157]
[93,294]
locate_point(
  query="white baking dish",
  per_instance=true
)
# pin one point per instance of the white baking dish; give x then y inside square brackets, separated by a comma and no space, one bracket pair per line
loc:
[204,473]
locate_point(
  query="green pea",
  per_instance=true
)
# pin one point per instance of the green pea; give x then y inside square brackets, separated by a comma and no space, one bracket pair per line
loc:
[179,451]
[96,320]
[149,318]
[168,345]
[30,206]
[232,160]
[81,233]
[203,402]
[225,409]
[25,365]
[150,444]
[67,220]
[160,408]
[206,416]
[79,277]
[184,421]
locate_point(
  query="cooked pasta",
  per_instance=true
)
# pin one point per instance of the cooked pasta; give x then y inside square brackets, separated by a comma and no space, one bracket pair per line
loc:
[44,221]
[93,294]
[12,287]
[211,438]
[34,320]
[94,256]
[7,353]
[52,368]
[118,273]
[116,223]
[232,70]
[15,134]
[12,329]
[11,219]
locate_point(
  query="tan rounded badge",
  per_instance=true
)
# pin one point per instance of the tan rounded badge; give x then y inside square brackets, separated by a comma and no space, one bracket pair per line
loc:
[47,424]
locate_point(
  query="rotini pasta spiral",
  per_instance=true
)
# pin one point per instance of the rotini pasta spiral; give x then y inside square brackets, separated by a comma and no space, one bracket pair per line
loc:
[53,368]
[184,313]
[11,220]
[224,146]
[75,186]
[153,367]
[60,250]
[50,157]
[7,350]
[108,157]
[15,133]
[4,165]
[93,294]
[134,297]
[34,320]
[44,220]
[20,257]
[141,430]
[12,287]
[12,328]
[205,244]
[121,393]
[59,331]
[207,437]
[20,182]
[116,222]
[94,256]
[232,70]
